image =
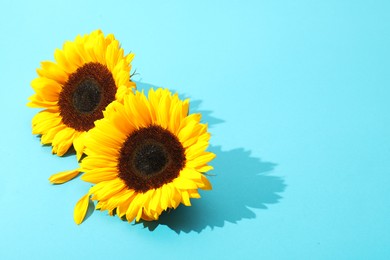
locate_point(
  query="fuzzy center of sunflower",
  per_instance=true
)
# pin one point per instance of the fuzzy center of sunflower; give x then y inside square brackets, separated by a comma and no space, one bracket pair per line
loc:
[149,158]
[85,95]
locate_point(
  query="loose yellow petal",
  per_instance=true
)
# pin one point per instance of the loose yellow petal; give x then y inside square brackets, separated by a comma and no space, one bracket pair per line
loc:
[64,176]
[81,209]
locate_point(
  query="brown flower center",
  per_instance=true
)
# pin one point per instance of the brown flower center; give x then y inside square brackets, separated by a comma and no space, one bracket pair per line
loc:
[85,95]
[149,158]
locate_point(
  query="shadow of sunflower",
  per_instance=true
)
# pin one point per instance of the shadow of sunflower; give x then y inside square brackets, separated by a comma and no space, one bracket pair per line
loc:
[240,182]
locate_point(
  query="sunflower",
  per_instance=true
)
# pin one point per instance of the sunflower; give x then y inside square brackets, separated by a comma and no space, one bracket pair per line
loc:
[87,75]
[145,156]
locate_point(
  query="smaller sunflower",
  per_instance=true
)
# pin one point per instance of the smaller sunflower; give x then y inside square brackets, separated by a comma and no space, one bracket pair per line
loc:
[145,156]
[87,75]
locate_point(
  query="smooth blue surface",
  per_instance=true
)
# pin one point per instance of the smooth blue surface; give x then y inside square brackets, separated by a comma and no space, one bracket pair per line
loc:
[297,97]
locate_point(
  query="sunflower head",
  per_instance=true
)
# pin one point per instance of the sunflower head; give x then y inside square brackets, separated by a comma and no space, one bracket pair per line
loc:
[145,156]
[87,75]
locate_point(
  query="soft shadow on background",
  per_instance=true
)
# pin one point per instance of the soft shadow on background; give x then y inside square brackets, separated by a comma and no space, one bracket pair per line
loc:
[240,182]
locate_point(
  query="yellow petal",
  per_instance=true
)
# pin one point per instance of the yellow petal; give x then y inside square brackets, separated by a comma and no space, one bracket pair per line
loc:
[204,168]
[44,121]
[52,71]
[187,131]
[60,57]
[199,133]
[93,162]
[190,174]
[194,194]
[49,136]
[164,197]
[185,198]
[139,214]
[99,175]
[206,184]
[45,115]
[99,50]
[191,120]
[81,209]
[196,150]
[185,108]
[133,208]
[175,195]
[112,54]
[110,189]
[47,89]
[200,160]
[37,102]
[73,52]
[123,202]
[144,199]
[120,119]
[64,176]
[155,201]
[130,57]
[184,184]
[99,161]
[78,144]
[175,115]
[62,141]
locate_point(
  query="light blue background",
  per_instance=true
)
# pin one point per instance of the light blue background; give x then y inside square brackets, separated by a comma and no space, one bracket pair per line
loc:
[297,97]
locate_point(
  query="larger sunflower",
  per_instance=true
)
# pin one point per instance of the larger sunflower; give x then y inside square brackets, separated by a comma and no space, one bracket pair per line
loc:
[89,73]
[145,156]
